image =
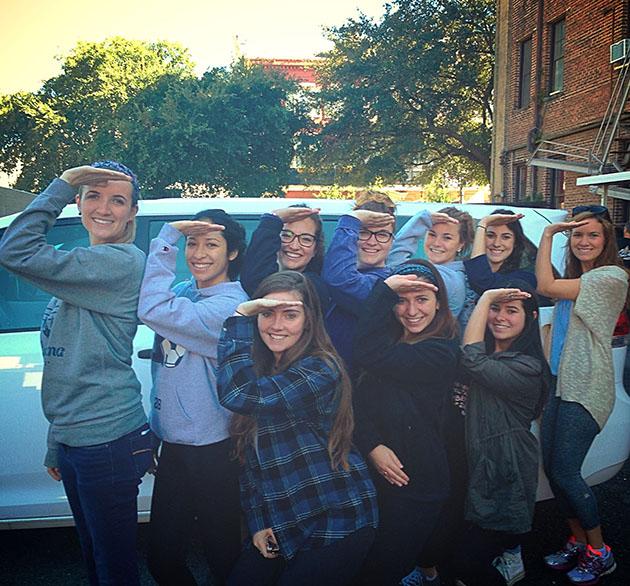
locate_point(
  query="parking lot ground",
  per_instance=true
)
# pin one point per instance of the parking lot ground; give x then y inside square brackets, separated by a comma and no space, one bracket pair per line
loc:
[51,557]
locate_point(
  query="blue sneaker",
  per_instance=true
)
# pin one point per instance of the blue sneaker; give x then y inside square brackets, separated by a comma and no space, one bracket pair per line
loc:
[567,558]
[591,566]
[418,578]
[413,579]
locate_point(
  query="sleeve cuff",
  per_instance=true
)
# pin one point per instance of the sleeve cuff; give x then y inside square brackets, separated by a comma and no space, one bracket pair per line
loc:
[271,222]
[349,222]
[169,234]
[52,459]
[472,352]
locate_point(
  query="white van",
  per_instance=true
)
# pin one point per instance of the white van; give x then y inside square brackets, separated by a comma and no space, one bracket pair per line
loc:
[28,496]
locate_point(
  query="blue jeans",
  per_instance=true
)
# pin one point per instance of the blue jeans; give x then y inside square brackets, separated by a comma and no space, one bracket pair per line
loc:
[567,432]
[101,483]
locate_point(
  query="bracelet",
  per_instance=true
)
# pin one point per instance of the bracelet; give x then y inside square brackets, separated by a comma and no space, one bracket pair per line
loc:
[239,313]
[480,226]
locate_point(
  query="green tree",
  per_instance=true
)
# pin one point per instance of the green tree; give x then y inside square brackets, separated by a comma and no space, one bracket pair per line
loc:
[232,130]
[51,129]
[408,93]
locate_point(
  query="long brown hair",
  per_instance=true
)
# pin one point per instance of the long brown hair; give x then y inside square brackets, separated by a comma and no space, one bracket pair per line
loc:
[313,342]
[444,325]
[609,256]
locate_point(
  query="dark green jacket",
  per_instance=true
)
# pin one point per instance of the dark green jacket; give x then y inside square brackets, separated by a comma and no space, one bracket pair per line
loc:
[502,452]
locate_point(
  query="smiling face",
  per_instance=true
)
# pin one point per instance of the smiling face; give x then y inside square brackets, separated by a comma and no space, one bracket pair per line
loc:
[107,211]
[506,322]
[281,328]
[415,311]
[371,252]
[499,245]
[442,243]
[208,259]
[587,243]
[293,255]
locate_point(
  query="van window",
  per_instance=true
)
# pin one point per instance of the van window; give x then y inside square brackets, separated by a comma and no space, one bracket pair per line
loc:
[21,303]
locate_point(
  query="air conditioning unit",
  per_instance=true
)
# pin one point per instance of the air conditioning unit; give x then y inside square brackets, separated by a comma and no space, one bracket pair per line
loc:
[619,51]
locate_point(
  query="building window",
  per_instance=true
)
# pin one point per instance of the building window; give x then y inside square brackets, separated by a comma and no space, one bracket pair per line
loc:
[556,78]
[525,73]
[556,188]
[520,182]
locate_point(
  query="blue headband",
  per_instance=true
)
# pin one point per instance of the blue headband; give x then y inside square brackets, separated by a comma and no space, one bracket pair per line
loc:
[413,269]
[116,166]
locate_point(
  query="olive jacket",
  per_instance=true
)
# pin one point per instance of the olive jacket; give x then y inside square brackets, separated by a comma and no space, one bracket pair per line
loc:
[504,394]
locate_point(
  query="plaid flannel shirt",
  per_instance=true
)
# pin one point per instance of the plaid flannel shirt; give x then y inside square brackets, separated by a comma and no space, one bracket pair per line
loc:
[287,481]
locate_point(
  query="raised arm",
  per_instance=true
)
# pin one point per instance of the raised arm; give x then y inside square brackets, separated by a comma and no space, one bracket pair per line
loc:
[548,284]
[95,278]
[340,271]
[407,238]
[195,326]
[261,256]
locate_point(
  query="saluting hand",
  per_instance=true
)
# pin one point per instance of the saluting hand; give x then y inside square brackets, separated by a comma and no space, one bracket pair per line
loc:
[288,215]
[563,226]
[406,283]
[442,218]
[196,227]
[256,306]
[499,219]
[373,219]
[502,295]
[87,175]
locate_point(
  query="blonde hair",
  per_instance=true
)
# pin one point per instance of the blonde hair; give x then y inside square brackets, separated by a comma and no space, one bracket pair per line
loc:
[375,201]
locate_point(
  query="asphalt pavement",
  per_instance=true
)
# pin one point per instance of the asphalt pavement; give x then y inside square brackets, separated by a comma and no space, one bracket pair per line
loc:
[51,557]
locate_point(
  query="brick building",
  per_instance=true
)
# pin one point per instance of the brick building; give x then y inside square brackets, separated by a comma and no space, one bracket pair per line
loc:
[561,106]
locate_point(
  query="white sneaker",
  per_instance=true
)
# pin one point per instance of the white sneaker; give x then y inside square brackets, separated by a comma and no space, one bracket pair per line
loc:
[510,566]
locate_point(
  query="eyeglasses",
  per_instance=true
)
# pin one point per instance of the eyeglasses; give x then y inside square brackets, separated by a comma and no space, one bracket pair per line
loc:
[306,240]
[597,210]
[382,236]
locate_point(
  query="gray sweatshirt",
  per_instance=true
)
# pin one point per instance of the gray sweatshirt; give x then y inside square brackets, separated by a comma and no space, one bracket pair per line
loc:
[90,393]
[187,322]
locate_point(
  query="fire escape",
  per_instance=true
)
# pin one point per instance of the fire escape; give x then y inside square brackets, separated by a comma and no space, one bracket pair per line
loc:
[606,164]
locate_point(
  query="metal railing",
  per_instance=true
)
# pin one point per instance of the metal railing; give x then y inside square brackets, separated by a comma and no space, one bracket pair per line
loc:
[610,122]
[569,153]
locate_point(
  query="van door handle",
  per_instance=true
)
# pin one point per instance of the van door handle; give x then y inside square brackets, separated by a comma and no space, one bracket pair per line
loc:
[144,354]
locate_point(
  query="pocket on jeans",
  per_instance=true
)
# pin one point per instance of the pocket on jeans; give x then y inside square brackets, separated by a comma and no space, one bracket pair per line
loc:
[142,446]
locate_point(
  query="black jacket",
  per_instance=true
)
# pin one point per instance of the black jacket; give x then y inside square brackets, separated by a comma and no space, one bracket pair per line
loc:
[400,397]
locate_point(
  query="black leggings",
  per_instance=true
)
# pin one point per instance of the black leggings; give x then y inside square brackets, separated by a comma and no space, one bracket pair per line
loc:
[333,565]
[404,527]
[194,485]
[473,555]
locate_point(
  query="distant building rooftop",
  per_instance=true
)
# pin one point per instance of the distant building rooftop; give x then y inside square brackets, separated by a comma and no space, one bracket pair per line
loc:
[303,71]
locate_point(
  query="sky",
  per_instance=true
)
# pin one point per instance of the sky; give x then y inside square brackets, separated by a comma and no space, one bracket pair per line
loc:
[33,33]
